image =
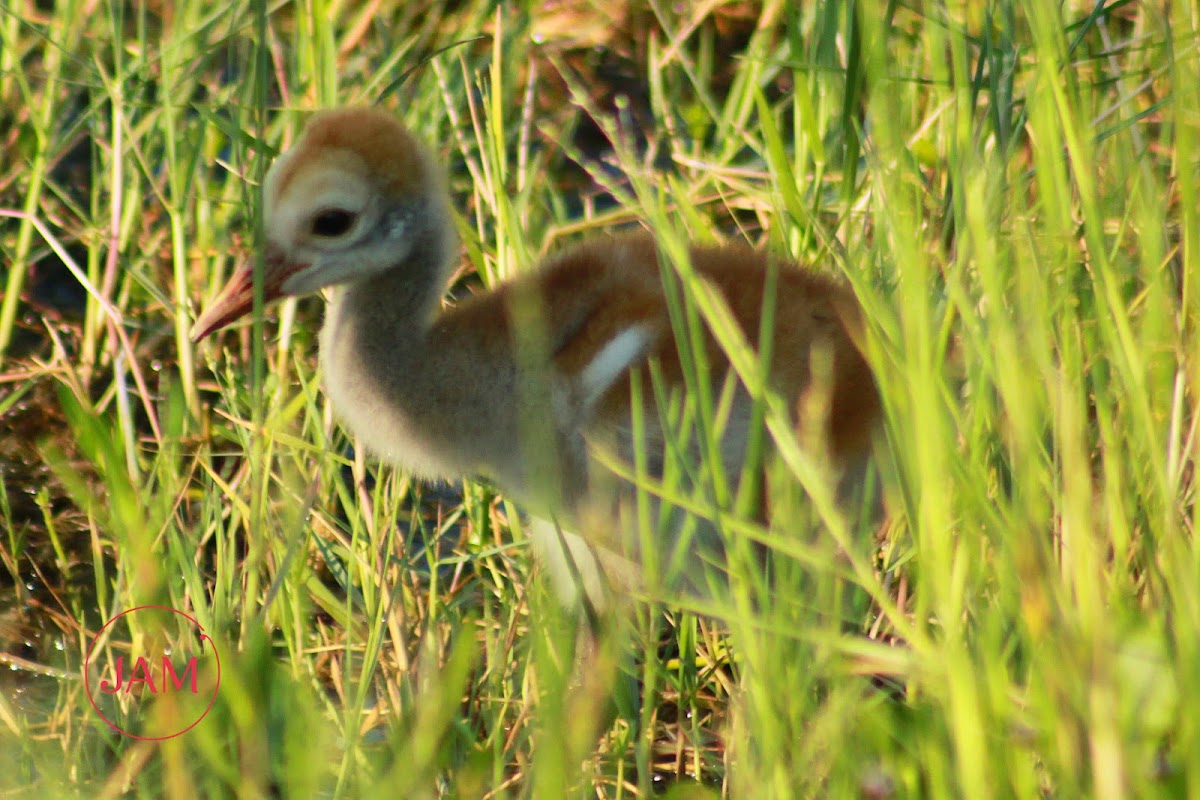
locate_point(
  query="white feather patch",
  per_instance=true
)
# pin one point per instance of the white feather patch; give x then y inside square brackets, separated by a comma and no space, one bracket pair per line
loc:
[614,360]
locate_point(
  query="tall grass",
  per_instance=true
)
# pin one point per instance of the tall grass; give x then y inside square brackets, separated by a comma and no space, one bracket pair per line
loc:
[1010,188]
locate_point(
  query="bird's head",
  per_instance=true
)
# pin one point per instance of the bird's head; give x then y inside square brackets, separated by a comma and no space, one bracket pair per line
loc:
[356,195]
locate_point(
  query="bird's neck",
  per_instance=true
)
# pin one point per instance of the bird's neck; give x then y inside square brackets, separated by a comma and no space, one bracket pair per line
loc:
[398,305]
[382,363]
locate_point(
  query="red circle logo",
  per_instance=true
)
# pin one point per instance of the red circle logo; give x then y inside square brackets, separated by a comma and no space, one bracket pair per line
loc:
[154,669]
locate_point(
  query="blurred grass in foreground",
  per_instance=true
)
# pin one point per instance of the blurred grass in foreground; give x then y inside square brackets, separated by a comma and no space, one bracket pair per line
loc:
[1011,188]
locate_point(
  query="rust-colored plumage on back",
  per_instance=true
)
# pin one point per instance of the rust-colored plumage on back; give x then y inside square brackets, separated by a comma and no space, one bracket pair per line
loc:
[592,292]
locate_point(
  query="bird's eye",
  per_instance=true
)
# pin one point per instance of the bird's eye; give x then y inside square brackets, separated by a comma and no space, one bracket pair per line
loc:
[332,222]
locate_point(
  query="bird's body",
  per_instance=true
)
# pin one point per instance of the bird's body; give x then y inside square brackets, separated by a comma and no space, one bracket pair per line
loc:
[519,384]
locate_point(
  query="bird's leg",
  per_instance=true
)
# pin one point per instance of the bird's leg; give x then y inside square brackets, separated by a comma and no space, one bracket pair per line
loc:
[591,615]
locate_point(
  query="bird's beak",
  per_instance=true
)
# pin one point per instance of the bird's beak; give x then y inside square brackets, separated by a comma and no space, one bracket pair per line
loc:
[237,298]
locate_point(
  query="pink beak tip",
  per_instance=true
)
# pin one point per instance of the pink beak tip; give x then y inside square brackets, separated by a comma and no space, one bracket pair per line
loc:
[199,332]
[236,299]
